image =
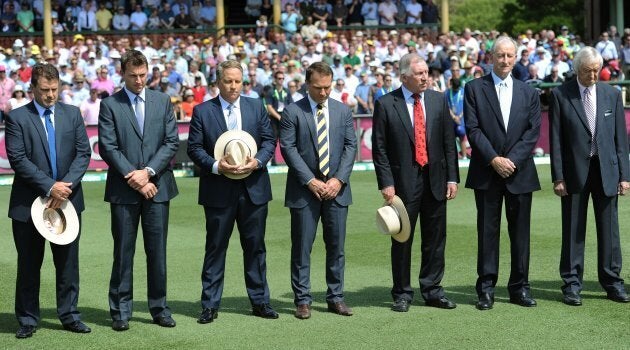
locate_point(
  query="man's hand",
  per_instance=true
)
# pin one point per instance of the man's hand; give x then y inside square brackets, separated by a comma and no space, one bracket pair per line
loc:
[137,179]
[251,165]
[560,188]
[388,194]
[623,188]
[503,166]
[333,186]
[149,190]
[225,167]
[54,203]
[318,188]
[451,191]
[61,191]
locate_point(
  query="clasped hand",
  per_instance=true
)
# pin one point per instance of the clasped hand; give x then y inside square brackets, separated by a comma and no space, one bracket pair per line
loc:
[225,167]
[325,190]
[58,194]
[503,166]
[139,181]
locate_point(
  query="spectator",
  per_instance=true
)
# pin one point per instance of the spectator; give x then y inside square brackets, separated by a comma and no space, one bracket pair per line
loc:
[79,91]
[276,99]
[607,48]
[252,8]
[167,17]
[69,22]
[247,90]
[341,94]
[194,73]
[208,14]
[430,13]
[25,18]
[455,101]
[386,88]
[86,20]
[340,13]
[180,7]
[182,21]
[355,18]
[362,94]
[387,10]
[56,27]
[103,85]
[520,70]
[166,88]
[261,26]
[7,85]
[153,22]
[103,17]
[121,19]
[90,107]
[138,19]
[553,76]
[199,90]
[414,12]
[369,11]
[289,20]
[8,19]
[18,99]
[401,15]
[188,104]
[322,11]
[293,91]
[195,15]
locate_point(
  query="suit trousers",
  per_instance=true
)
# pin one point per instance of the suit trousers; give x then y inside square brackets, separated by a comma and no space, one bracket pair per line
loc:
[125,221]
[574,213]
[432,213]
[251,222]
[303,229]
[30,246]
[518,213]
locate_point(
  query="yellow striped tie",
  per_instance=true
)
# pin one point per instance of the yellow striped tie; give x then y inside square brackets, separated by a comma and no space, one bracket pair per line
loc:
[322,140]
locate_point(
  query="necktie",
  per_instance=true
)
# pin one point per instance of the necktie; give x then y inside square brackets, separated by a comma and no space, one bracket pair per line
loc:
[504,103]
[419,131]
[322,140]
[589,108]
[140,113]
[50,130]
[231,118]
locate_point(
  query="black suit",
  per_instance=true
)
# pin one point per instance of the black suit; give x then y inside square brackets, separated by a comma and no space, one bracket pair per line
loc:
[488,138]
[227,201]
[422,189]
[597,176]
[124,148]
[28,153]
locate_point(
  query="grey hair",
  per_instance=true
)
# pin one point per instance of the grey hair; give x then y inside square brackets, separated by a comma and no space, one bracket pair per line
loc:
[404,65]
[228,64]
[501,40]
[587,55]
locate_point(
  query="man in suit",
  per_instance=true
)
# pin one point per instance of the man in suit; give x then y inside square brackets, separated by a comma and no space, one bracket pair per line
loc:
[226,200]
[589,157]
[49,151]
[503,123]
[318,142]
[137,139]
[415,158]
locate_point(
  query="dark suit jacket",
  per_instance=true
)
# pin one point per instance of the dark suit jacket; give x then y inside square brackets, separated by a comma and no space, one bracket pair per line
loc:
[298,143]
[206,125]
[570,137]
[124,149]
[27,150]
[393,144]
[488,138]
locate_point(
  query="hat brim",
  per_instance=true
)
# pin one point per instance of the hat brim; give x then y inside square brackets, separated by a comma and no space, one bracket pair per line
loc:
[67,212]
[229,136]
[405,224]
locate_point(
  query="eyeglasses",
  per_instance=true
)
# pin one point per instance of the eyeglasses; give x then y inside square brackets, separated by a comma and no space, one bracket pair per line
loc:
[280,78]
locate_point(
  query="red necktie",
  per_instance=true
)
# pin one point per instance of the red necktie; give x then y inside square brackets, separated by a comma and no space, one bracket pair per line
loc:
[419,131]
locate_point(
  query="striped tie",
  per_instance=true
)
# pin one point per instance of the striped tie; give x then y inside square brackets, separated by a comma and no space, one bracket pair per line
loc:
[322,140]
[591,117]
[232,122]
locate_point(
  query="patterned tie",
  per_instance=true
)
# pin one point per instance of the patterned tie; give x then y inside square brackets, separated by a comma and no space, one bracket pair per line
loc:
[589,108]
[419,131]
[140,113]
[50,130]
[231,118]
[504,103]
[322,140]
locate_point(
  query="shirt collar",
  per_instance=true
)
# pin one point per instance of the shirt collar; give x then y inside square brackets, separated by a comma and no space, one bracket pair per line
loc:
[314,104]
[408,94]
[496,79]
[225,104]
[582,87]
[41,109]
[132,95]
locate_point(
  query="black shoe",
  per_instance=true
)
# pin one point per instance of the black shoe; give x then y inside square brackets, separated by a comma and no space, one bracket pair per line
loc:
[619,296]
[441,303]
[165,321]
[523,299]
[120,325]
[486,301]
[264,311]
[208,315]
[572,298]
[77,327]
[25,331]
[401,305]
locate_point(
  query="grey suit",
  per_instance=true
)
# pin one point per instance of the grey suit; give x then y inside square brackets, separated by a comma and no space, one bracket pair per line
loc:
[597,176]
[124,148]
[28,153]
[298,142]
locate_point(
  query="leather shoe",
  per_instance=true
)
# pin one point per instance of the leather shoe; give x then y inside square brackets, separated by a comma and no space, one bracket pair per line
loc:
[264,311]
[77,327]
[486,301]
[441,303]
[619,296]
[401,305]
[340,308]
[572,298]
[25,331]
[208,315]
[523,299]
[165,321]
[303,311]
[120,325]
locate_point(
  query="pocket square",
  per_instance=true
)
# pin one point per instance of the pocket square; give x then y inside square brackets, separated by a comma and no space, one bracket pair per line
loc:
[608,113]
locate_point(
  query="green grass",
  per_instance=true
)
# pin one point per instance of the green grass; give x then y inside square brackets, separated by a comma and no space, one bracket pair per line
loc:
[599,323]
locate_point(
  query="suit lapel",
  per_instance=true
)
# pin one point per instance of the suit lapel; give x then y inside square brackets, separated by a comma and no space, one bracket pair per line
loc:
[126,107]
[39,126]
[149,111]
[430,117]
[217,113]
[575,96]
[493,99]
[403,113]
[600,107]
[247,124]
[309,118]
[515,106]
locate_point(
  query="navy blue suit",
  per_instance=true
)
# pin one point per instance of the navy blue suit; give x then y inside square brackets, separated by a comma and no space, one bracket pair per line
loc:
[298,142]
[28,153]
[488,138]
[227,201]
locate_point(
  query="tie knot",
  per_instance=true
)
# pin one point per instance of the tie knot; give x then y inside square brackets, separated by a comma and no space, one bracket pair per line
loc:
[47,112]
[416,97]
[138,99]
[230,107]
[320,106]
[587,91]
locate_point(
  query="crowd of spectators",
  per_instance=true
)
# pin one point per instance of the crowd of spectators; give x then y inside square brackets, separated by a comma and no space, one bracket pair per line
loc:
[365,62]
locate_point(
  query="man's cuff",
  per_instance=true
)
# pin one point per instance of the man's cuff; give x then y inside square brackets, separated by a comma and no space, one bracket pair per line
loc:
[451,182]
[150,171]
[49,191]
[260,164]
[215,167]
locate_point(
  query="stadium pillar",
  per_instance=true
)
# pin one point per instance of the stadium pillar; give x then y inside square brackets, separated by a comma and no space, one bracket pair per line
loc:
[619,16]
[220,18]
[444,16]
[48,41]
[277,13]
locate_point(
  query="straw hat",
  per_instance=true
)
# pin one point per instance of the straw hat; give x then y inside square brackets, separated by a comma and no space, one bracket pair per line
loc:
[237,145]
[58,226]
[393,220]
